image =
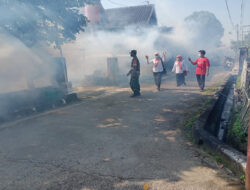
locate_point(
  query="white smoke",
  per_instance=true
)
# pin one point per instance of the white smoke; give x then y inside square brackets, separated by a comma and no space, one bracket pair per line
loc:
[22,67]
[90,51]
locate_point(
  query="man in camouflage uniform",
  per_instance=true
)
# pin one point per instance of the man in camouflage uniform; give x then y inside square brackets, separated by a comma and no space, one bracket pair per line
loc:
[135,74]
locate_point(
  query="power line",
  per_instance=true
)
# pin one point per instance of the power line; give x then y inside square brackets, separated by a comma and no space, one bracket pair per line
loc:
[242,13]
[229,14]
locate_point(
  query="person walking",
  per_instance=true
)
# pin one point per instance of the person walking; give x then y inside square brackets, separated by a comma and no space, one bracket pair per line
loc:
[181,70]
[202,69]
[135,74]
[158,68]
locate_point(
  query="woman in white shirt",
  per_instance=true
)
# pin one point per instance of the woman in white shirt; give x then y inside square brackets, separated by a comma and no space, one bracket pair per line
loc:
[158,68]
[180,69]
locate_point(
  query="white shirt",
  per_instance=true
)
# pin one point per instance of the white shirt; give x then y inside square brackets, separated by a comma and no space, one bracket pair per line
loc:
[176,69]
[159,67]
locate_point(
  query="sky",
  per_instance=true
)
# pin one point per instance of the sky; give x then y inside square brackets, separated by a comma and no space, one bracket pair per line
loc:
[170,12]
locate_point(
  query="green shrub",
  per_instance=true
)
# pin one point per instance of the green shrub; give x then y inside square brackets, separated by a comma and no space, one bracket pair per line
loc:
[238,83]
[236,134]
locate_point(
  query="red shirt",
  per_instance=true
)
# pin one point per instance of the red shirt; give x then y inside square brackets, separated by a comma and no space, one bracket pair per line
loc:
[202,64]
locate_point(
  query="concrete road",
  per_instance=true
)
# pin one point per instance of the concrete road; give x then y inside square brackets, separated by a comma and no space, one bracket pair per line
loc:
[110,141]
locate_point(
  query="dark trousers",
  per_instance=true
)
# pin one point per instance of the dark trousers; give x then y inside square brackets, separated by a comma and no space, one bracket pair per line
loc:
[134,84]
[201,81]
[158,77]
[180,79]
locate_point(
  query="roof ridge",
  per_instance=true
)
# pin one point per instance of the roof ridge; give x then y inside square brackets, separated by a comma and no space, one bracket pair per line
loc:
[136,6]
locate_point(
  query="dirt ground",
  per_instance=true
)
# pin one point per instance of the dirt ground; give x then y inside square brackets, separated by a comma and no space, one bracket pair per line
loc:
[111,141]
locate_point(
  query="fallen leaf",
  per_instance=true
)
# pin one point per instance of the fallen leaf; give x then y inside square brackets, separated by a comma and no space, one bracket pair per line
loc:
[146,187]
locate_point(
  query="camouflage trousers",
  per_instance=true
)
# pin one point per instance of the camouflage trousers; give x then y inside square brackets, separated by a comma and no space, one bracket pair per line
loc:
[134,84]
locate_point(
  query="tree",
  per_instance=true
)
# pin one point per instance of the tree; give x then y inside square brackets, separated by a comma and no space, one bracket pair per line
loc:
[51,21]
[206,28]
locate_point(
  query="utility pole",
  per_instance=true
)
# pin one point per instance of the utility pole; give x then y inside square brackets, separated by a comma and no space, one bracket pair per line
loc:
[248,160]
[242,31]
[248,147]
[238,32]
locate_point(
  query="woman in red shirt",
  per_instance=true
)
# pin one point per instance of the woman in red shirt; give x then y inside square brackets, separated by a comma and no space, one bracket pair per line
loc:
[202,68]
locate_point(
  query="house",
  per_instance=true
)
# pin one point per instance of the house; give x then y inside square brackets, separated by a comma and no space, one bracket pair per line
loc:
[120,18]
[139,16]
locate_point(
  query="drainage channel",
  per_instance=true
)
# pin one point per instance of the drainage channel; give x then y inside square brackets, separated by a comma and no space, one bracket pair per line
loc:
[211,129]
[226,114]
[218,120]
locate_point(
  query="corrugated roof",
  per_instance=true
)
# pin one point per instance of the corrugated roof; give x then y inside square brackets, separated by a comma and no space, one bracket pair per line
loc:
[125,16]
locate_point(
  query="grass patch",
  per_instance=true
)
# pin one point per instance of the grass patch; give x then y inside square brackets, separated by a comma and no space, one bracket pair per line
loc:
[208,101]
[238,82]
[211,90]
[190,122]
[202,104]
[223,161]
[243,178]
[236,135]
[189,125]
[218,159]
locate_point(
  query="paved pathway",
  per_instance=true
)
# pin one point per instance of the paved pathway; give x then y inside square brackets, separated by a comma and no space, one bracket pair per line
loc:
[110,142]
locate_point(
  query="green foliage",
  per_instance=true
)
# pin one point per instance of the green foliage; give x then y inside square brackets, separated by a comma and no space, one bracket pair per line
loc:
[31,21]
[206,150]
[236,134]
[208,101]
[237,130]
[218,159]
[211,90]
[189,126]
[190,122]
[243,177]
[238,82]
